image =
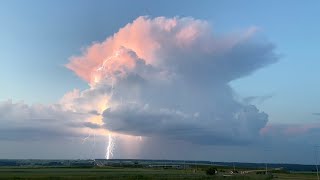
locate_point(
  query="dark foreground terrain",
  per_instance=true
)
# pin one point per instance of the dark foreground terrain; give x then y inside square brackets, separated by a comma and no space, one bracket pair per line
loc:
[144,169]
[112,173]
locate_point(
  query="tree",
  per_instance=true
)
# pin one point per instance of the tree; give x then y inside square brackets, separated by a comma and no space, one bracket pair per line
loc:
[211,171]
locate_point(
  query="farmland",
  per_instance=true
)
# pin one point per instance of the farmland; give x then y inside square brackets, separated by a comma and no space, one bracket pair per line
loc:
[111,173]
[146,169]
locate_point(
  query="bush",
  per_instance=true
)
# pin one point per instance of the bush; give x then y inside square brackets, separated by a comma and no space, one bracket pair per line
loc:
[211,171]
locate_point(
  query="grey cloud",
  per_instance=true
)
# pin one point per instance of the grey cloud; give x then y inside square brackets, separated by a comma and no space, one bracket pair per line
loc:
[92,125]
[225,66]
[137,120]
[19,121]
[36,133]
[94,112]
[193,93]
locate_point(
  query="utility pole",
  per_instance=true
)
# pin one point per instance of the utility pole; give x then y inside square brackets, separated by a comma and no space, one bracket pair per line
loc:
[234,168]
[266,168]
[196,165]
[266,159]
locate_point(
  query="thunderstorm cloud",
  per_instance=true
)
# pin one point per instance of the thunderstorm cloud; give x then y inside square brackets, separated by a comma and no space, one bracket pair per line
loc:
[170,77]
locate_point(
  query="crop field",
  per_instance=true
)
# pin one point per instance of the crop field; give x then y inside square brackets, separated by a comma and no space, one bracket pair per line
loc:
[113,173]
[295,176]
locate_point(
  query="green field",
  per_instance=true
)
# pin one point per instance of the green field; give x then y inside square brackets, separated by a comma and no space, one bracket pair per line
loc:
[295,176]
[112,173]
[133,173]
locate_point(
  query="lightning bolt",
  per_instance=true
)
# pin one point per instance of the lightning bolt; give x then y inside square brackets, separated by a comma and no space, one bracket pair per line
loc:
[86,138]
[117,54]
[100,69]
[110,140]
[110,147]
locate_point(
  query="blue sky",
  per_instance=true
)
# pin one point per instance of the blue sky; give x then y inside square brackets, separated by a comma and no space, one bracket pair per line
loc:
[37,38]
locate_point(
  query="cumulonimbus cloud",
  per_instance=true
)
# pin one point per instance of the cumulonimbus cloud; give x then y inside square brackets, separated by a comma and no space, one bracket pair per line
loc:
[169,77]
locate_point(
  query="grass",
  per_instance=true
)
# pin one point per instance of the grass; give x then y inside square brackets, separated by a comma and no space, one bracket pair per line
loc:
[295,176]
[111,173]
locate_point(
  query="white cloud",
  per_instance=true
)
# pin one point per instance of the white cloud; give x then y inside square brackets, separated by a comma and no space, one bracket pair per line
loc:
[170,77]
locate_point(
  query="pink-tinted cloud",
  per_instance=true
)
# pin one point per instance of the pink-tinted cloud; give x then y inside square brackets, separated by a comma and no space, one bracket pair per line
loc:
[151,40]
